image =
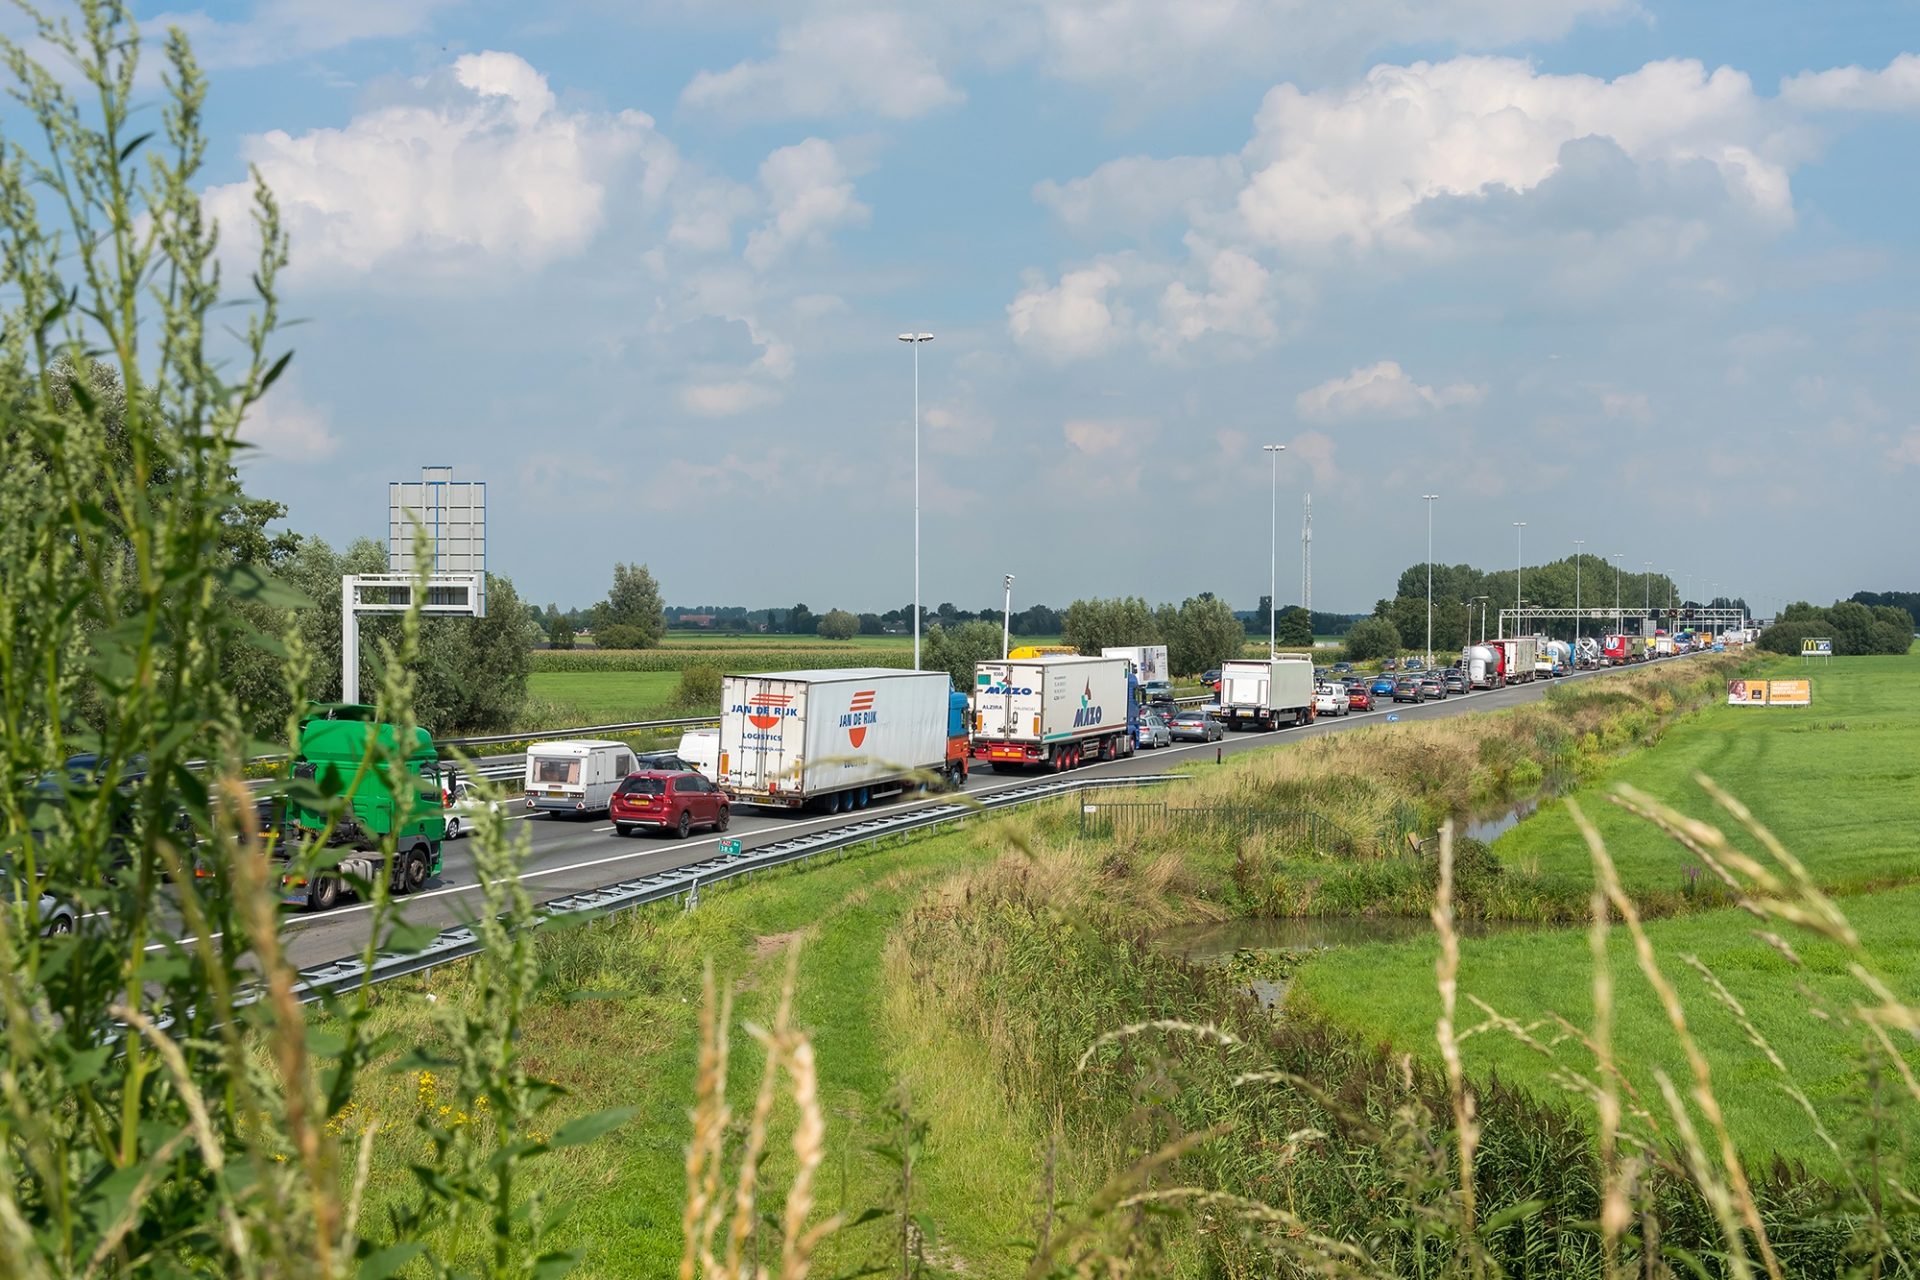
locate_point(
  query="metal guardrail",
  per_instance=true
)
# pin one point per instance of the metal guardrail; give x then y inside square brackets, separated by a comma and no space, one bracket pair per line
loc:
[460,942]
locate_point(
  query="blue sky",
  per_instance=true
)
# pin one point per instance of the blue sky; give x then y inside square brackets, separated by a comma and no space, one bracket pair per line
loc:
[1642,274]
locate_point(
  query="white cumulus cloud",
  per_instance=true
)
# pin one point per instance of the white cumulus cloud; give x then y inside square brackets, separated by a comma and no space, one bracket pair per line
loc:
[486,171]
[1236,302]
[1072,319]
[809,195]
[1894,88]
[831,64]
[1906,450]
[1381,390]
[284,428]
[1352,165]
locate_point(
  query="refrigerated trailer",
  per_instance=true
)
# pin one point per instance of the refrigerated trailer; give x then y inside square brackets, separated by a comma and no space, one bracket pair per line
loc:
[838,739]
[1265,694]
[1518,657]
[1054,712]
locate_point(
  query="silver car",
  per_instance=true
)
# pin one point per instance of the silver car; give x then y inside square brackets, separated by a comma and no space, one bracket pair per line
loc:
[1197,726]
[1152,731]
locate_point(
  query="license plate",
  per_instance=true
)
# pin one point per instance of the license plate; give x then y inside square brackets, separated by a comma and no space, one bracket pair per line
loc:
[556,795]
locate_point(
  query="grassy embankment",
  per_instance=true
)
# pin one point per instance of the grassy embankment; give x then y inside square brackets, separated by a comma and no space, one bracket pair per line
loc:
[1836,782]
[976,975]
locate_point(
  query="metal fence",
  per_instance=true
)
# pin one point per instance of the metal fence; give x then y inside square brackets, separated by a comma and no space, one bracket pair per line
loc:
[1302,829]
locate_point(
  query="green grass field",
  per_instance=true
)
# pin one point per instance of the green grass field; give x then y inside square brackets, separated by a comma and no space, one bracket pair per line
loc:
[604,697]
[1387,993]
[623,1195]
[1836,782]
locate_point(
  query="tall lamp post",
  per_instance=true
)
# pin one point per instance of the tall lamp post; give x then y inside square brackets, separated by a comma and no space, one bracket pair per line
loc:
[1430,499]
[1483,615]
[1577,544]
[1617,625]
[1273,452]
[1006,622]
[1518,525]
[1646,588]
[914,340]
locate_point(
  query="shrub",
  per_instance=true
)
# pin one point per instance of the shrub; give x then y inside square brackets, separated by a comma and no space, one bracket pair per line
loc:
[619,635]
[1372,638]
[700,688]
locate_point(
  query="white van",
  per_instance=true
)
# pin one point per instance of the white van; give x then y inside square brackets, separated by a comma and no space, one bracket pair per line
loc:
[576,777]
[700,749]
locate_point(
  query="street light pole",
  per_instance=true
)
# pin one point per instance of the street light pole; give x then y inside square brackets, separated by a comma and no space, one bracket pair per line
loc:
[1646,589]
[1006,622]
[1518,525]
[914,340]
[1577,544]
[1617,625]
[1430,499]
[1273,452]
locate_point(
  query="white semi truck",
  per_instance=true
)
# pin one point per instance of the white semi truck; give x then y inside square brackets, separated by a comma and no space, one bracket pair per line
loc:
[1149,667]
[1053,712]
[1265,694]
[838,739]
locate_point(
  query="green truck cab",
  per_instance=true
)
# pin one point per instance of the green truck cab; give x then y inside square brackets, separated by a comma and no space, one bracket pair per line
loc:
[344,749]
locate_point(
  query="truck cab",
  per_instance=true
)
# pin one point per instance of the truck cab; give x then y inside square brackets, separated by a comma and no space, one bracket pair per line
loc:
[345,752]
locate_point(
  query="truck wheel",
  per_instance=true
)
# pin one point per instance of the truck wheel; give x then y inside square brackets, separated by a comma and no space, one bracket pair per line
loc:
[323,893]
[416,869]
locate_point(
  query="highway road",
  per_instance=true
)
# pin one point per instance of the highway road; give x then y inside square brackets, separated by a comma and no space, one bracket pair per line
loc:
[573,854]
[567,855]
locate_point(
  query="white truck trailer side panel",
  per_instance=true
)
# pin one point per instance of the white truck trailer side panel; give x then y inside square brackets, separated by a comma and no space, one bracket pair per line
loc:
[793,735]
[1149,660]
[1257,687]
[1050,699]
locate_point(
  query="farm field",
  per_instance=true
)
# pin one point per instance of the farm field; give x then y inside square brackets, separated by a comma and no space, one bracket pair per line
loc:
[602,697]
[1835,782]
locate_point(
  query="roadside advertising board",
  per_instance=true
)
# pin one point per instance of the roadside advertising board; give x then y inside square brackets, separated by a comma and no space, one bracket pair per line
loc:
[1789,693]
[1816,647]
[1769,693]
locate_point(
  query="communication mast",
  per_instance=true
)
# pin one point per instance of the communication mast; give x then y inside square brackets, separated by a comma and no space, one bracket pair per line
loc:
[1306,561]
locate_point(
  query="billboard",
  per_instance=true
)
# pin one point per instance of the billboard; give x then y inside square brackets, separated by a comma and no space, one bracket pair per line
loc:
[1769,693]
[1816,647]
[1789,693]
[454,515]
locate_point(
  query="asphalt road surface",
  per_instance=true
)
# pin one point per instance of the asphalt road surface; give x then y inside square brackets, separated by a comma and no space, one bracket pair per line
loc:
[568,854]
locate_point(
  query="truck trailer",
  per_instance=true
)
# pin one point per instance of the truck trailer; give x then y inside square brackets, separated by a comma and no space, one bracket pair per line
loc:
[1619,650]
[1149,668]
[1054,712]
[344,751]
[837,740]
[1264,694]
[1518,657]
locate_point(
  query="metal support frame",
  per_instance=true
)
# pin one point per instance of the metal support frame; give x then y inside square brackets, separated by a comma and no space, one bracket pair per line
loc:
[448,594]
[1517,621]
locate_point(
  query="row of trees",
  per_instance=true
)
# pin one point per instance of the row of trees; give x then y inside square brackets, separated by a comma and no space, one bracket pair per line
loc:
[1467,600]
[1199,633]
[1856,629]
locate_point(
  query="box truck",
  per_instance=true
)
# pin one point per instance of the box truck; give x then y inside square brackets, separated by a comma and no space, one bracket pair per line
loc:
[837,740]
[1149,668]
[1265,694]
[1519,656]
[1054,712]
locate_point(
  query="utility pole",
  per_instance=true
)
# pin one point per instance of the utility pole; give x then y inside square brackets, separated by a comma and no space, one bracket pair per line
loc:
[1577,544]
[1306,567]
[1518,525]
[914,340]
[1430,499]
[1273,452]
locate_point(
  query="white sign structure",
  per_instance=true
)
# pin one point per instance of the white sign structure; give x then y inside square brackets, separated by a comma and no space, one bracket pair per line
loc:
[453,515]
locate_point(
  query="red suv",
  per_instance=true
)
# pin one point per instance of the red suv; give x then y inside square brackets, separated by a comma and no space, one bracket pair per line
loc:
[676,802]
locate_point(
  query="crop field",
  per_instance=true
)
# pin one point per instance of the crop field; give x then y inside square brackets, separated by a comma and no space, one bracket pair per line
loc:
[601,697]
